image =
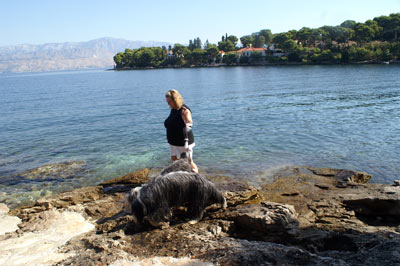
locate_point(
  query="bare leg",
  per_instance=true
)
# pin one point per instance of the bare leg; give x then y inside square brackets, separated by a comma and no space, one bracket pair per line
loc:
[194,166]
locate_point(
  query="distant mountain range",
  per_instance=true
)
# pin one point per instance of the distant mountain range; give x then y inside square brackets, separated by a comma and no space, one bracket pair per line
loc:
[96,53]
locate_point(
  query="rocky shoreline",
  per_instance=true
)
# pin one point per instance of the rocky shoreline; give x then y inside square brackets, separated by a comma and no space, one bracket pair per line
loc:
[305,216]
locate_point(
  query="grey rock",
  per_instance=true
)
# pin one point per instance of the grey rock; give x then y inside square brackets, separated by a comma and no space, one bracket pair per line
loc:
[266,217]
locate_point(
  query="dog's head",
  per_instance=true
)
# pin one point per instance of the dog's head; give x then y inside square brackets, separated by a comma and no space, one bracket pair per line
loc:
[138,211]
[137,207]
[133,194]
[130,197]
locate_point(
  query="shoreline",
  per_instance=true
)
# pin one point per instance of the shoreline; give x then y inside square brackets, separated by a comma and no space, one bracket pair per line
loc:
[60,176]
[371,62]
[306,215]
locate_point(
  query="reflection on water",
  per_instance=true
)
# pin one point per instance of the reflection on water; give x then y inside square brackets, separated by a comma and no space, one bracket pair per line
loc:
[248,120]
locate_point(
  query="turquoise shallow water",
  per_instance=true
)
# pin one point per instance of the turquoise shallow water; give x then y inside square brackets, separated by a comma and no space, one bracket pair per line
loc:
[248,121]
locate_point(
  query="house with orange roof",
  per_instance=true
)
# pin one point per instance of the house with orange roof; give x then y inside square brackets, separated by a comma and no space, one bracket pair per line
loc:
[222,53]
[247,51]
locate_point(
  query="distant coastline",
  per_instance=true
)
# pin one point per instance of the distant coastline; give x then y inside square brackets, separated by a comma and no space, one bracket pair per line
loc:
[371,62]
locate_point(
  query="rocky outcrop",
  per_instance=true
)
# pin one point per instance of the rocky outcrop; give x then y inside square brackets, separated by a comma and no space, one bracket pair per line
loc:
[306,216]
[132,179]
[40,245]
[8,223]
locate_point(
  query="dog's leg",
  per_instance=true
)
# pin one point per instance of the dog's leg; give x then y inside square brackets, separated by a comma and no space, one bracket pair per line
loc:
[196,213]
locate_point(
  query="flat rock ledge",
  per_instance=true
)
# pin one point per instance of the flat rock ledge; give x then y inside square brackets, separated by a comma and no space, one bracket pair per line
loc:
[306,216]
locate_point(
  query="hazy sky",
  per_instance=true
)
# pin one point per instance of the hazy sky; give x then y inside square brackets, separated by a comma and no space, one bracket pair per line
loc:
[44,21]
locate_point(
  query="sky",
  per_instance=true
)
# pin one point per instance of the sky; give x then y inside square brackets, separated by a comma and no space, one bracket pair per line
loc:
[174,21]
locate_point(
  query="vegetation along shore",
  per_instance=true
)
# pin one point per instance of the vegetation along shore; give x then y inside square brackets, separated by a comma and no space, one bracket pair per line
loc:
[375,41]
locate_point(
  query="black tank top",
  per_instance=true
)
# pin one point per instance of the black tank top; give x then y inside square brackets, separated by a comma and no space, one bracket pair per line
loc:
[176,132]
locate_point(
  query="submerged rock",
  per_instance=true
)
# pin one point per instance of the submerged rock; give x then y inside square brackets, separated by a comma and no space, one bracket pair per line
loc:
[54,171]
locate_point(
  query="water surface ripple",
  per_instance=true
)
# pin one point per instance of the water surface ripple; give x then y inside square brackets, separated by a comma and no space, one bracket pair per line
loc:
[248,120]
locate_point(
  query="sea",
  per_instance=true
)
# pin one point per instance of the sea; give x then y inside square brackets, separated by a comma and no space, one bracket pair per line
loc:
[248,122]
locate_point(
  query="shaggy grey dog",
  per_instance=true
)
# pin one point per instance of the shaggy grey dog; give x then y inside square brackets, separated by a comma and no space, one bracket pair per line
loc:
[155,199]
[181,165]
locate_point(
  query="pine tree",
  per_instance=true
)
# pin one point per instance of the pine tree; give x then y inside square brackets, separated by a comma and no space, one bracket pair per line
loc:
[206,45]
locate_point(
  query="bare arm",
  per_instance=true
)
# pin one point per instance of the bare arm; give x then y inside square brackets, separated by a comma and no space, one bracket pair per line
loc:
[187,116]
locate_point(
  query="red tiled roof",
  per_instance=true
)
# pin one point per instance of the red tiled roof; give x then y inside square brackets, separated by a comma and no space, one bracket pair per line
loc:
[251,49]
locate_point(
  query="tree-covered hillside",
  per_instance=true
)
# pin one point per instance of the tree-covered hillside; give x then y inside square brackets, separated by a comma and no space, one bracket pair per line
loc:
[373,41]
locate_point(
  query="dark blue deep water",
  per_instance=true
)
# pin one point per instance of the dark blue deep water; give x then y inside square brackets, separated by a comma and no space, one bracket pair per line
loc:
[248,120]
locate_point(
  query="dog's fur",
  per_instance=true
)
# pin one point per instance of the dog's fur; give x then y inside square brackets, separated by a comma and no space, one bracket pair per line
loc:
[182,165]
[155,199]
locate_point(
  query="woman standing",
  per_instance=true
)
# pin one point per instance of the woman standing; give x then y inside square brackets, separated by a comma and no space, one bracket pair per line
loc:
[179,128]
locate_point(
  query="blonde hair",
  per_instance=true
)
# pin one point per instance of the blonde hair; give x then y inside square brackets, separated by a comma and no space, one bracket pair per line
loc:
[176,97]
